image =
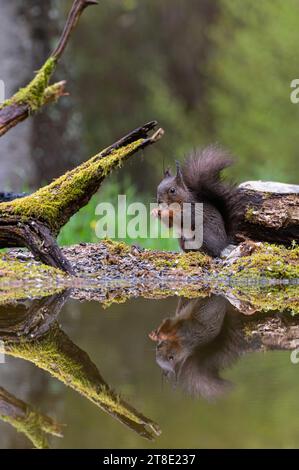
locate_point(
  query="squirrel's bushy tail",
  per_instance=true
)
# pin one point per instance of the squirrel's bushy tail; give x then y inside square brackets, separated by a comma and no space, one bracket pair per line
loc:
[202,175]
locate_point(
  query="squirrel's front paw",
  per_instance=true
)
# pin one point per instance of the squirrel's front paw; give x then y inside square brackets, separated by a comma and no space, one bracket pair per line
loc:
[155,212]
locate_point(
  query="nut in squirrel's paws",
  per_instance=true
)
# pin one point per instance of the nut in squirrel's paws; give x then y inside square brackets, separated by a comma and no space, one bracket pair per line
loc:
[162,212]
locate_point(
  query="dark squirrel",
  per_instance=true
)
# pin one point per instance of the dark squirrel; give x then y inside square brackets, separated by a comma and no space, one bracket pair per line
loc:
[199,180]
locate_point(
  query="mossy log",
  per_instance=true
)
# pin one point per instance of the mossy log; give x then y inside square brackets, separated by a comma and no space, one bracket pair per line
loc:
[25,419]
[256,276]
[35,220]
[33,334]
[271,212]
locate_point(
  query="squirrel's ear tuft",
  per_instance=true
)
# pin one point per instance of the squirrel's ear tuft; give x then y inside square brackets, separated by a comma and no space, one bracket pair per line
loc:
[179,174]
[167,173]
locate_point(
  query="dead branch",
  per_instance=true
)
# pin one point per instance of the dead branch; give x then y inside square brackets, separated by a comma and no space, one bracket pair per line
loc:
[24,418]
[38,92]
[11,115]
[77,9]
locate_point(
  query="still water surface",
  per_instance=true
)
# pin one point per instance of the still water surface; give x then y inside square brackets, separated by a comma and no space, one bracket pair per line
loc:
[230,392]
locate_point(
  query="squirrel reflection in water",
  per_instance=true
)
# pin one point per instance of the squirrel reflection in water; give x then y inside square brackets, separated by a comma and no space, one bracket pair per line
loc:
[203,338]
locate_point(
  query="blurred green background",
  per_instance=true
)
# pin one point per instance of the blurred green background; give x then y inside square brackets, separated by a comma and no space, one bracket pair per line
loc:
[215,71]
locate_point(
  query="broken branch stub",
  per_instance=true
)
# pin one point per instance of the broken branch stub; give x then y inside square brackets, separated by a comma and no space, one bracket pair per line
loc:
[18,111]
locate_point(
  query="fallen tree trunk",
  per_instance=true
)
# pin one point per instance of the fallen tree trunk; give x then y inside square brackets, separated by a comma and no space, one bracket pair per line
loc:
[34,221]
[271,212]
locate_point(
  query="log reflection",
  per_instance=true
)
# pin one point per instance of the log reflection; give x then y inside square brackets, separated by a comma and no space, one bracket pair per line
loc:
[31,332]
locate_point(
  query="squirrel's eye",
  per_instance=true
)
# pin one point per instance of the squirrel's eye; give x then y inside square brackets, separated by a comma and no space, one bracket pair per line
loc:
[172,190]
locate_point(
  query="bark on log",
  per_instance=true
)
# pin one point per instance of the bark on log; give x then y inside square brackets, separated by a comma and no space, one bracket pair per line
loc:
[271,212]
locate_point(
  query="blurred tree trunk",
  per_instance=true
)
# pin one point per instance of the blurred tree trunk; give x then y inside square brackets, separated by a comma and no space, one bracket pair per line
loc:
[55,143]
[16,67]
[44,146]
[16,169]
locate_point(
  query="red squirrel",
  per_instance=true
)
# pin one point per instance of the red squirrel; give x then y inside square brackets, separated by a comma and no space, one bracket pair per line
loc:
[199,180]
[202,339]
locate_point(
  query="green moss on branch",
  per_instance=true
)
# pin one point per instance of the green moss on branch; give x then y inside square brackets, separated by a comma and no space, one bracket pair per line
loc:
[34,94]
[31,426]
[25,419]
[56,203]
[56,354]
